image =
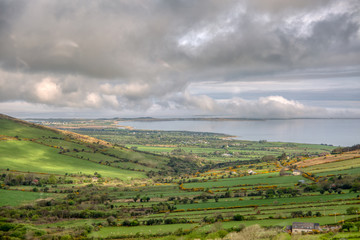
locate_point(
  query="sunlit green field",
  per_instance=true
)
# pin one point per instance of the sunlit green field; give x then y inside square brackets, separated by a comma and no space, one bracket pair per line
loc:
[286,200]
[10,128]
[29,156]
[261,179]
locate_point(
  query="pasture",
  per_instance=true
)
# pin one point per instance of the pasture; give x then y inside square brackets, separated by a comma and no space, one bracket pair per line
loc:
[14,198]
[33,157]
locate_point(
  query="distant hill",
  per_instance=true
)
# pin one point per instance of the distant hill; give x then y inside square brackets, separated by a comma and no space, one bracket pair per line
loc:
[30,147]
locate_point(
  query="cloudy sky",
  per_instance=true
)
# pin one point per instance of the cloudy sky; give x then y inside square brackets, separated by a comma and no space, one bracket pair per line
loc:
[255,58]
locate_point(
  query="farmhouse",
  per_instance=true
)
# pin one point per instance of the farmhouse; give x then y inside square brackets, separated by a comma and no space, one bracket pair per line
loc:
[296,173]
[299,227]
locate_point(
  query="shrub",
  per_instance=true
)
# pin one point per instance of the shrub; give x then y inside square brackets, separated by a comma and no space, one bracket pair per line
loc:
[352,210]
[238,217]
[6,226]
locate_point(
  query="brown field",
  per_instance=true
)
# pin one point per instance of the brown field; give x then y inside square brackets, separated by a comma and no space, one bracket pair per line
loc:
[329,159]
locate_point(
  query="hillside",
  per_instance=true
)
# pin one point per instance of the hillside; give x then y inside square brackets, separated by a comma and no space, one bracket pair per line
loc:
[30,147]
[61,185]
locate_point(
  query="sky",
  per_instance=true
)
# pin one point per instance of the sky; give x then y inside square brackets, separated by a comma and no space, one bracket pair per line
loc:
[180,58]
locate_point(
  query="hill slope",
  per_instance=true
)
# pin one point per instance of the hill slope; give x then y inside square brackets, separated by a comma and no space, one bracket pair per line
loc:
[30,147]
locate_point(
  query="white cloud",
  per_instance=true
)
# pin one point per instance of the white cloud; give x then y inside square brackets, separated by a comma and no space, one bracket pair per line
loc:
[93,100]
[47,90]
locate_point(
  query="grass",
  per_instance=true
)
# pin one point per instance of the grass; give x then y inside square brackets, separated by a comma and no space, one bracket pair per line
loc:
[350,171]
[98,157]
[38,147]
[106,232]
[33,157]
[150,160]
[264,179]
[14,198]
[11,128]
[334,166]
[233,202]
[63,143]
[281,222]
[265,211]
[72,223]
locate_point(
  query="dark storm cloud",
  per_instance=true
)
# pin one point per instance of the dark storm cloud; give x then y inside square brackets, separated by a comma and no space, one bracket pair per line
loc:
[146,54]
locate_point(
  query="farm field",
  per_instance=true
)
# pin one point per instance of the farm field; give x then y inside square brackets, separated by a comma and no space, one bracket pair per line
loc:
[341,165]
[206,146]
[190,185]
[143,230]
[14,198]
[33,157]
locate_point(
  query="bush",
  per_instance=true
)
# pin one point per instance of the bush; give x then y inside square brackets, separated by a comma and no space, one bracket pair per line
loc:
[238,217]
[352,210]
[6,226]
[111,221]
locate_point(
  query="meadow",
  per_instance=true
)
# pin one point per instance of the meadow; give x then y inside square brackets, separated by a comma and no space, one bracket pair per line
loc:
[15,198]
[33,157]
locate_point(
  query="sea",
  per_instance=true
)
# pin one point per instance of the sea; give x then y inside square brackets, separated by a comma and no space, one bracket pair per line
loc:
[336,132]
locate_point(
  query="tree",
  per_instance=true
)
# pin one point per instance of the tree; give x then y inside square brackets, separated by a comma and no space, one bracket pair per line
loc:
[10,179]
[228,194]
[270,193]
[352,210]
[296,214]
[357,224]
[347,225]
[355,187]
[111,221]
[52,179]
[20,179]
[238,217]
[136,197]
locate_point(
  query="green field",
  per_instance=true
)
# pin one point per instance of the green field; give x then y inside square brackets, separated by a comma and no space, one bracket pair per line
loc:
[261,179]
[12,128]
[14,198]
[346,165]
[131,231]
[29,156]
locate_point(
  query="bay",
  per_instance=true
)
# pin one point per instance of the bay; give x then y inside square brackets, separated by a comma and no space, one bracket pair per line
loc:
[337,132]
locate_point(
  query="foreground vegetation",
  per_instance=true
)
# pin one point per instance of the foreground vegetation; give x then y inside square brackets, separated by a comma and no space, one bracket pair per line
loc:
[58,185]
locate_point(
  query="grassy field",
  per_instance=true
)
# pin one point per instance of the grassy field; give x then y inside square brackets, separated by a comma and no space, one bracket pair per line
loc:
[334,166]
[14,198]
[280,222]
[261,179]
[131,231]
[208,146]
[286,200]
[29,156]
[11,128]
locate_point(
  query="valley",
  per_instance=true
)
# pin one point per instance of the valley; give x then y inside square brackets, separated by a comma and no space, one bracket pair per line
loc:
[92,180]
